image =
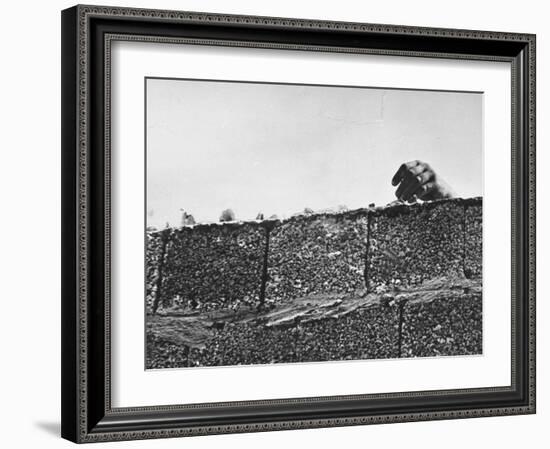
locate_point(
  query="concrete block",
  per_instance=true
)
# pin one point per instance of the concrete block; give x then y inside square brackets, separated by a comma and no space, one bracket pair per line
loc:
[410,244]
[211,266]
[317,254]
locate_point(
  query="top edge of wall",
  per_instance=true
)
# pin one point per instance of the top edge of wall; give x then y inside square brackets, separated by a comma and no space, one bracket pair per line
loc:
[389,210]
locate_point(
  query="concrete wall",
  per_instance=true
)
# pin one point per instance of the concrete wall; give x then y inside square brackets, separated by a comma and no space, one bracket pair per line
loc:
[402,281]
[410,244]
[440,318]
[444,326]
[473,247]
[228,265]
[365,333]
[317,254]
[213,266]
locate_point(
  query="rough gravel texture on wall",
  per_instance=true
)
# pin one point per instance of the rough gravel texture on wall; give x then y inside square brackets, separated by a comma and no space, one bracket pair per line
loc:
[422,263]
[365,333]
[410,244]
[317,254]
[210,266]
[473,240]
[444,326]
[153,255]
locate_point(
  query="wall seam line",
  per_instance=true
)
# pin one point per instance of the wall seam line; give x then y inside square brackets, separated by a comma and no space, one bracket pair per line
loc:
[367,259]
[265,274]
[158,295]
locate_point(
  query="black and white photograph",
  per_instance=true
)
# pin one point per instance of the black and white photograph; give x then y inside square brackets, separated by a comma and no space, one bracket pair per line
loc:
[283,220]
[299,223]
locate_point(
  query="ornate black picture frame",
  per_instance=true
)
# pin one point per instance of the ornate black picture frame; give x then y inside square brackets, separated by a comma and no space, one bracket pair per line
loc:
[87,34]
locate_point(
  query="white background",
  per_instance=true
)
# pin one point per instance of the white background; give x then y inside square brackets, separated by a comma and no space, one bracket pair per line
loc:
[31,223]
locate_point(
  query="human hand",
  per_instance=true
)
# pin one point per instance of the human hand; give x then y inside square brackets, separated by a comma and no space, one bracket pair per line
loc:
[416,179]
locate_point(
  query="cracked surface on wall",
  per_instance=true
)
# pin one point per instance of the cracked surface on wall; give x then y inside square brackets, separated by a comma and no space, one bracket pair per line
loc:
[402,281]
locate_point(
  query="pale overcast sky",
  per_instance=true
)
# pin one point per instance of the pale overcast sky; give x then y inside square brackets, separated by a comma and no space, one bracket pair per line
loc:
[277,149]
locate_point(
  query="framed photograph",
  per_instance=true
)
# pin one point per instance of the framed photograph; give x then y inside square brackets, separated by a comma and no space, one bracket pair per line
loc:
[274,223]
